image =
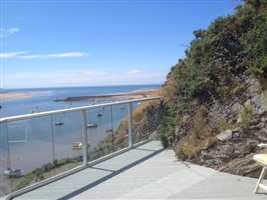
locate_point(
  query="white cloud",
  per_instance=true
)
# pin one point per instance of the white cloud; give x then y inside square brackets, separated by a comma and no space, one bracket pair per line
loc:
[82,78]
[12,54]
[25,55]
[94,73]
[6,32]
[57,55]
[134,71]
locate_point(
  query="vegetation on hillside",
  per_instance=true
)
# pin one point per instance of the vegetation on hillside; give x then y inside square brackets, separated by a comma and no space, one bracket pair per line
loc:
[215,71]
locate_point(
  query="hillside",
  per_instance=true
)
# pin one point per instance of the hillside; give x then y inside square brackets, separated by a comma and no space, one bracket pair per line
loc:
[216,97]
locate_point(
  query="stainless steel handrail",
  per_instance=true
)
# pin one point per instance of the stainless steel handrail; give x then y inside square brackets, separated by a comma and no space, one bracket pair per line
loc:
[41,114]
[84,127]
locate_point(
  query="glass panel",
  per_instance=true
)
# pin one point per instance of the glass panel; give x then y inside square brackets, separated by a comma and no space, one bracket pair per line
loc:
[67,140]
[111,133]
[5,183]
[145,121]
[35,149]
[120,125]
[96,126]
[98,137]
[29,151]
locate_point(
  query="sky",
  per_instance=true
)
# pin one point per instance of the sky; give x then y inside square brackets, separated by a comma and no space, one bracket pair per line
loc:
[58,43]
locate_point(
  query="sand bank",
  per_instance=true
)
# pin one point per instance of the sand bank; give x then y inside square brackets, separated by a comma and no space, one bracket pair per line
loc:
[14,96]
[115,97]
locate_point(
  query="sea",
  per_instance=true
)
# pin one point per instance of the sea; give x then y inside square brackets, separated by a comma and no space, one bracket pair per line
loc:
[29,144]
[43,99]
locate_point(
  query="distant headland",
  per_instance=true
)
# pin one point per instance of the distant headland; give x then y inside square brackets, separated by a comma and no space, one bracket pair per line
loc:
[117,96]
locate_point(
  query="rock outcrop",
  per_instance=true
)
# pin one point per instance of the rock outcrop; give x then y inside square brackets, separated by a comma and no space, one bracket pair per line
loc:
[216,95]
[234,147]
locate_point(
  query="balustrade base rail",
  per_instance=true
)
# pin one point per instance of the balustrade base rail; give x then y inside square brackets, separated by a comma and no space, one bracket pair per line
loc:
[125,134]
[72,171]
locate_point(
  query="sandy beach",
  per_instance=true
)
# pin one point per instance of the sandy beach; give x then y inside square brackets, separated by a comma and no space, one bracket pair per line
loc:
[14,96]
[115,97]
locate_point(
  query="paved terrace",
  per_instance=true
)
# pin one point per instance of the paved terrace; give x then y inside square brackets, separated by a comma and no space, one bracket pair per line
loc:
[147,172]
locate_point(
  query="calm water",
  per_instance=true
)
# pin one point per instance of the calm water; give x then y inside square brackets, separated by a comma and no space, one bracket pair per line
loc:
[43,99]
[30,141]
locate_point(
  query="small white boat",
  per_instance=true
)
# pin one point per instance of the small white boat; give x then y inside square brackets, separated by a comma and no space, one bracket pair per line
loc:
[13,173]
[76,145]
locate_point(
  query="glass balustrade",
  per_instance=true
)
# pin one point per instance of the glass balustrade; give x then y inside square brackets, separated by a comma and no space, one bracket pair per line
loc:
[42,145]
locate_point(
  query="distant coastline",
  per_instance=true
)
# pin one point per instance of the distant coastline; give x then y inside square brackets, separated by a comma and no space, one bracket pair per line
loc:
[115,96]
[14,95]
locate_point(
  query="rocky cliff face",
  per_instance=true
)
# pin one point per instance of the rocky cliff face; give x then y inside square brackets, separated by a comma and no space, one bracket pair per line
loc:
[215,96]
[233,149]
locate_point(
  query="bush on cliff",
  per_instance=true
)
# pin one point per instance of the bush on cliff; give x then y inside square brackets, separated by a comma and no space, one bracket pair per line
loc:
[231,47]
[213,75]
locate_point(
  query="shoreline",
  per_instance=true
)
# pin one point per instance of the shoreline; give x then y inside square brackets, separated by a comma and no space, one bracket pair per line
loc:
[14,96]
[115,96]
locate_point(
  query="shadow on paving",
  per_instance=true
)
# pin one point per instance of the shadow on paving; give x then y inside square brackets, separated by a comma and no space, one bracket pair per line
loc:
[113,173]
[221,186]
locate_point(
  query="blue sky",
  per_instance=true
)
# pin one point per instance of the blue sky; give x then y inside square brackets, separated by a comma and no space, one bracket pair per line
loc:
[87,43]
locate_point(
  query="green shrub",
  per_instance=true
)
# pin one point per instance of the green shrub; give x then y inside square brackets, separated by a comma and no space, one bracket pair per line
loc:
[25,181]
[213,73]
[246,116]
[231,47]
[164,140]
[180,153]
[55,163]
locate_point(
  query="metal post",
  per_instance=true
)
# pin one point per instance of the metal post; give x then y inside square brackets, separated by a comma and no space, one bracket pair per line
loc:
[112,132]
[263,172]
[130,120]
[85,137]
[8,147]
[53,138]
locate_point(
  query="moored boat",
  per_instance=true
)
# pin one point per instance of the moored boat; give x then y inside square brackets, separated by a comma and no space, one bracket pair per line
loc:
[76,145]
[13,173]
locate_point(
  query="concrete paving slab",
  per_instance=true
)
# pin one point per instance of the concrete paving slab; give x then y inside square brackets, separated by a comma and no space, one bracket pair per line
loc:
[221,186]
[163,177]
[85,179]
[132,175]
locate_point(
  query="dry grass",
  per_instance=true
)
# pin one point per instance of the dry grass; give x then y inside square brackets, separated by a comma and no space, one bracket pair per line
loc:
[139,112]
[264,94]
[223,125]
[169,91]
[246,116]
[193,146]
[138,115]
[157,93]
[201,136]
